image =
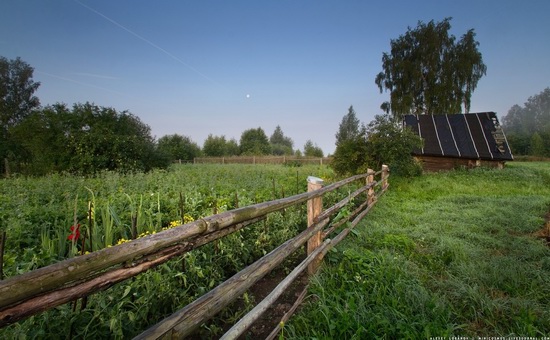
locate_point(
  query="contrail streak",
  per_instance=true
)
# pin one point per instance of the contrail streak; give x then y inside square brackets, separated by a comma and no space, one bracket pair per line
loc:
[79,82]
[149,42]
[93,75]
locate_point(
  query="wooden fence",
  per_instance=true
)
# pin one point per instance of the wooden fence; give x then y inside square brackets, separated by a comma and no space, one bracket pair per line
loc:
[261,160]
[42,289]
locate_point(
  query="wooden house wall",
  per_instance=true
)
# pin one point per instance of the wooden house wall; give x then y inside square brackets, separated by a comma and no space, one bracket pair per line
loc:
[434,164]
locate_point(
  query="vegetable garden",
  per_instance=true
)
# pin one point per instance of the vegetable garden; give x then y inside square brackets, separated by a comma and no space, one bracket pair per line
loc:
[49,219]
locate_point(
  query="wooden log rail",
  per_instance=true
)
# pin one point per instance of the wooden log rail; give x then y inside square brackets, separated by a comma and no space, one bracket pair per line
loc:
[47,287]
[259,160]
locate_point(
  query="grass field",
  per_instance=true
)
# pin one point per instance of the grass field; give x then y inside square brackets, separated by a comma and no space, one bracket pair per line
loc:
[454,253]
[447,254]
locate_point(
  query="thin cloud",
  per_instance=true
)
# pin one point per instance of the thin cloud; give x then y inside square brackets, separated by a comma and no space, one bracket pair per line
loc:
[92,75]
[79,82]
[149,42]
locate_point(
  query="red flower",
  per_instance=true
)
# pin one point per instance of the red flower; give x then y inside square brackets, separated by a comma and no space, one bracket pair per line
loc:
[75,233]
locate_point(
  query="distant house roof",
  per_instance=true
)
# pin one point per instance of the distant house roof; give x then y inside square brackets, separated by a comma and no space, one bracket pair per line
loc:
[472,136]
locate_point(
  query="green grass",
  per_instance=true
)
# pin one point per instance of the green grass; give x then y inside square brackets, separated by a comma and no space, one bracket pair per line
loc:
[447,254]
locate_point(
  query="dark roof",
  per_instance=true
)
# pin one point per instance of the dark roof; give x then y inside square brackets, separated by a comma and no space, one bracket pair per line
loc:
[471,135]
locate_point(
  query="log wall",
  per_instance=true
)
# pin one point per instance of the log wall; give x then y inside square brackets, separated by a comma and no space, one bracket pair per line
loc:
[434,164]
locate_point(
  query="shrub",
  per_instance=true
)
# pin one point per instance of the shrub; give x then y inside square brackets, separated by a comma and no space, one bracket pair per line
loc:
[383,141]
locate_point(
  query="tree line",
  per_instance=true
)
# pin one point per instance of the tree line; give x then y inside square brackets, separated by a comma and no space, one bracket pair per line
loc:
[87,138]
[527,127]
[427,71]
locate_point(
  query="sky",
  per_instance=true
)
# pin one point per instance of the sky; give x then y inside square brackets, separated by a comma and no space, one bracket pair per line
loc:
[196,68]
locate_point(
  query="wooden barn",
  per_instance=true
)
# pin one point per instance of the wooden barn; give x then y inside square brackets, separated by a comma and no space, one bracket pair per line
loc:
[459,140]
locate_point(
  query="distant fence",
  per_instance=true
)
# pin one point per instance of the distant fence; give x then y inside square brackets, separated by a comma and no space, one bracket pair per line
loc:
[260,160]
[45,288]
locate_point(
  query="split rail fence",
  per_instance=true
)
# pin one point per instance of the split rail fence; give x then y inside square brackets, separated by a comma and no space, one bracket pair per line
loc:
[260,160]
[45,288]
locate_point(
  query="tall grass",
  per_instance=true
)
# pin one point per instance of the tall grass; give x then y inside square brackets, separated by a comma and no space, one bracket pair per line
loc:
[447,254]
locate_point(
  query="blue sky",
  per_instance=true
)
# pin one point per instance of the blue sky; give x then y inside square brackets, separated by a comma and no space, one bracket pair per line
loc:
[186,67]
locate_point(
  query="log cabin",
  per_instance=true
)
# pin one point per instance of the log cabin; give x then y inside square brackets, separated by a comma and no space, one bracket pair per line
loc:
[459,140]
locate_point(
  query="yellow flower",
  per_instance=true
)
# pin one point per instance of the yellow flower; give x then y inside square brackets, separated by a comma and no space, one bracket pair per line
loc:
[175,223]
[122,240]
[186,219]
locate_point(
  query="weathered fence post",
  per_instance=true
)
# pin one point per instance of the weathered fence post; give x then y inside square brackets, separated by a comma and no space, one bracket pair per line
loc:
[314,208]
[385,175]
[370,193]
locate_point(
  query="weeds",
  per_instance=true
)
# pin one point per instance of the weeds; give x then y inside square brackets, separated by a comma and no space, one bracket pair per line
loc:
[448,254]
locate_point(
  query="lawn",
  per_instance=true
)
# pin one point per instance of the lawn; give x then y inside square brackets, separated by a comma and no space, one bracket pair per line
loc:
[445,254]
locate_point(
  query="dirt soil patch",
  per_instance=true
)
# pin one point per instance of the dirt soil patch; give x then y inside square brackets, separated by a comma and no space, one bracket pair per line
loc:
[271,318]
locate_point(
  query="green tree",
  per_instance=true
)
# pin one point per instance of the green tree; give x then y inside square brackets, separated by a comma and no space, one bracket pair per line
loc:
[280,144]
[232,148]
[388,143]
[428,72]
[215,146]
[17,101]
[349,128]
[519,143]
[84,140]
[177,147]
[43,137]
[381,142]
[254,142]
[537,145]
[312,150]
[521,123]
[350,156]
[17,88]
[100,138]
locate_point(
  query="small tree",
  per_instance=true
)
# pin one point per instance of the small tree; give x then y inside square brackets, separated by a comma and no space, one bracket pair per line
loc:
[100,138]
[350,155]
[17,88]
[280,144]
[17,101]
[536,146]
[255,142]
[312,150]
[381,142]
[232,148]
[214,146]
[349,128]
[388,143]
[177,147]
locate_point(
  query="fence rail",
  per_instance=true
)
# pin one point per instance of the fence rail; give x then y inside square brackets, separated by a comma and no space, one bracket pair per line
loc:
[260,160]
[36,291]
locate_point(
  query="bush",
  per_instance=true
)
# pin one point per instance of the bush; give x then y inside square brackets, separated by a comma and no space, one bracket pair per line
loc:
[350,156]
[382,142]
